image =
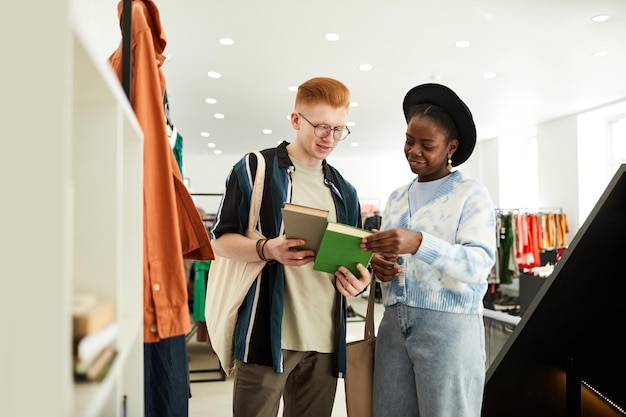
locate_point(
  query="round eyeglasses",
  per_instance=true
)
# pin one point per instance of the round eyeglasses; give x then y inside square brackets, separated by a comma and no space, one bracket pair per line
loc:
[321,131]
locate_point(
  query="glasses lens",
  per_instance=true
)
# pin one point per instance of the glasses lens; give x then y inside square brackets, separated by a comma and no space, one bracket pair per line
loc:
[341,134]
[321,131]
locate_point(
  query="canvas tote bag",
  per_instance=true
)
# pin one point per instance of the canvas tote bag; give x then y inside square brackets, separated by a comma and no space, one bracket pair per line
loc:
[229,281]
[359,377]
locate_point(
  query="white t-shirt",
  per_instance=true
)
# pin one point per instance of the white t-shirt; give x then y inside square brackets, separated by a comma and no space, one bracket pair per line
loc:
[309,303]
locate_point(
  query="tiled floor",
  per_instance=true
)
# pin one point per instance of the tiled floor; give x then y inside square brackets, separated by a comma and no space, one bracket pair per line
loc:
[214,398]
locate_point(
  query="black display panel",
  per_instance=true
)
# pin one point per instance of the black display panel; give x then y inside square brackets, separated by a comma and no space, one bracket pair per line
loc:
[571,336]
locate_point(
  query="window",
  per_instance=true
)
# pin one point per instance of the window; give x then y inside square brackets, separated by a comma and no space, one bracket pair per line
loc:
[617,143]
[601,149]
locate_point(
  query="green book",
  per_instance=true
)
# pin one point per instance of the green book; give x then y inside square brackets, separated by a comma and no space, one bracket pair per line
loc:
[340,246]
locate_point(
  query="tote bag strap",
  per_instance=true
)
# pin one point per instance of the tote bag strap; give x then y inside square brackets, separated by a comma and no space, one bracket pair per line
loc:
[257,192]
[369,316]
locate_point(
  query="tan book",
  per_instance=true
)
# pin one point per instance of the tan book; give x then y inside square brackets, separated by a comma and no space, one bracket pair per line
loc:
[90,315]
[302,222]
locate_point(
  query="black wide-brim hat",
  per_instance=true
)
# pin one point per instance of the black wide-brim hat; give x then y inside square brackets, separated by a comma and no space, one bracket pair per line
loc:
[447,99]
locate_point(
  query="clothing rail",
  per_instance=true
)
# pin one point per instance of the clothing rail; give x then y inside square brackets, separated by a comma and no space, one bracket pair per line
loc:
[530,210]
[208,194]
[127,15]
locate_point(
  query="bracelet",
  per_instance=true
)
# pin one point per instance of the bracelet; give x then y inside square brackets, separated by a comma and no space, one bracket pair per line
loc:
[263,251]
[259,251]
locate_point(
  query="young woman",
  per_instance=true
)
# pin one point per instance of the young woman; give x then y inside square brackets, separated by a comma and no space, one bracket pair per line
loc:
[433,255]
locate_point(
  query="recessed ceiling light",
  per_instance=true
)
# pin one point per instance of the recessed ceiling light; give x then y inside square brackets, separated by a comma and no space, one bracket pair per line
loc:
[267,131]
[331,37]
[365,67]
[293,88]
[489,75]
[214,74]
[218,115]
[354,104]
[350,124]
[462,44]
[354,144]
[210,101]
[210,145]
[205,134]
[217,152]
[226,41]
[600,18]
[600,53]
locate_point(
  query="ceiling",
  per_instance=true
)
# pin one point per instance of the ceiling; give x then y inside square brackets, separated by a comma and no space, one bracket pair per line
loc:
[541,52]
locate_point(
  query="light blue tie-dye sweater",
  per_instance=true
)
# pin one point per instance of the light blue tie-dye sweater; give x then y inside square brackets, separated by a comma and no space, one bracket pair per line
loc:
[449,270]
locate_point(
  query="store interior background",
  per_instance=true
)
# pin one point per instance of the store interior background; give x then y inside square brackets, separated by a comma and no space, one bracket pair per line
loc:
[72,173]
[542,121]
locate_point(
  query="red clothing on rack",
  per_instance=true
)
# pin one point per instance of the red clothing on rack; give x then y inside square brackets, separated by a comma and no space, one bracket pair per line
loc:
[528,236]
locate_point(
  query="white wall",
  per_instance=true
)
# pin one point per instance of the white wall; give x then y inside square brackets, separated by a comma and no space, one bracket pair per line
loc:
[207,174]
[472,166]
[558,174]
[571,156]
[374,178]
[487,155]
[572,150]
[99,25]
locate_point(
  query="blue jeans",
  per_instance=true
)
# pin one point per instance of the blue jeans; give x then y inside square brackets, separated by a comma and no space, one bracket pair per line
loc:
[429,364]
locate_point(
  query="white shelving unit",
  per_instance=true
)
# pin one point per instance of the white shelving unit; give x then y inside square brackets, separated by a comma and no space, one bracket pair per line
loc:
[73,222]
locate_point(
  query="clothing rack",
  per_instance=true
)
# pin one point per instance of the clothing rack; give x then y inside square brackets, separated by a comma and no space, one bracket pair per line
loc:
[166,109]
[127,17]
[207,194]
[221,375]
[541,230]
[530,210]
[209,205]
[200,267]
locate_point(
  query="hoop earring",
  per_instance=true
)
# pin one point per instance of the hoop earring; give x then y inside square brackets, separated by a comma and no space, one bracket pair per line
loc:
[449,162]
